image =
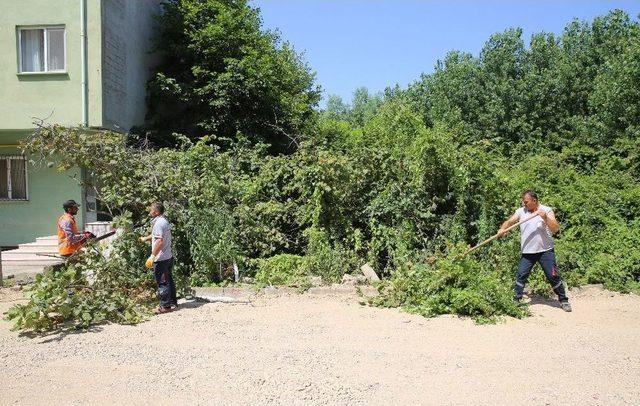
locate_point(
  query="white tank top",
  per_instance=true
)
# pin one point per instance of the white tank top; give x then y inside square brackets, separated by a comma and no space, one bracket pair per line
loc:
[535,235]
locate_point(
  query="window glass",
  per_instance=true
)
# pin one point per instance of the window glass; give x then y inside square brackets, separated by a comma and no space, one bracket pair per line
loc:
[18,179]
[32,50]
[55,49]
[4,182]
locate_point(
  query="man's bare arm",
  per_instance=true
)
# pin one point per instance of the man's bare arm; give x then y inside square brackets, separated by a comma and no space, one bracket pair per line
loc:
[157,247]
[508,223]
[550,220]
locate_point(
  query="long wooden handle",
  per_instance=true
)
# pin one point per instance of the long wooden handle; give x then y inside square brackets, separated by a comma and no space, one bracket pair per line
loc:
[488,240]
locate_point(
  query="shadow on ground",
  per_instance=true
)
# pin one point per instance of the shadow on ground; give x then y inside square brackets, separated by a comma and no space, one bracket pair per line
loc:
[61,332]
[541,300]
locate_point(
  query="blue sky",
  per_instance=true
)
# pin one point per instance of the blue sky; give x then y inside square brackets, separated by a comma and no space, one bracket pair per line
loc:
[376,43]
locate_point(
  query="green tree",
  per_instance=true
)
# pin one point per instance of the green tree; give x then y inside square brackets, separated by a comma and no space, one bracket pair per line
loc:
[615,99]
[364,105]
[220,73]
[336,109]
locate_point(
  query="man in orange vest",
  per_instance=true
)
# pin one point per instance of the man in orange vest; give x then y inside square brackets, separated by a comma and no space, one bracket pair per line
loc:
[69,239]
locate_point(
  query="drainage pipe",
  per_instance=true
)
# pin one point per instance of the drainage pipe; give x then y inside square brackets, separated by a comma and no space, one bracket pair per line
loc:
[83,56]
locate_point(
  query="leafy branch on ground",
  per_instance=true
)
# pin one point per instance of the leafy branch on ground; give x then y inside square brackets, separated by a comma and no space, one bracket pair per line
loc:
[90,289]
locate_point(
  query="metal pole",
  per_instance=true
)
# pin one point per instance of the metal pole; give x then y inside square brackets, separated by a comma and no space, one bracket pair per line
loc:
[0,267]
[83,56]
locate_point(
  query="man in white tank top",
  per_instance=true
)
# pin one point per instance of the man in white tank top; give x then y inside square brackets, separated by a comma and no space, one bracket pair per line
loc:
[536,245]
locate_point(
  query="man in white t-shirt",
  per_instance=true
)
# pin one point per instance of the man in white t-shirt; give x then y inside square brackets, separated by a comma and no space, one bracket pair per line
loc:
[161,259]
[536,245]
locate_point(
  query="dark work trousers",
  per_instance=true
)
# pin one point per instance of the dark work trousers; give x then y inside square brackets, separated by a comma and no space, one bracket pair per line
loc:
[166,285]
[547,260]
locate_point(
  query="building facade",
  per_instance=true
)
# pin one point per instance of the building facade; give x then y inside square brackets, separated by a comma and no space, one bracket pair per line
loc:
[70,62]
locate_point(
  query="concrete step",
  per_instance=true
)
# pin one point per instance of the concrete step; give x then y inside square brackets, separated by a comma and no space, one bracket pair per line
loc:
[19,264]
[25,259]
[17,255]
[38,248]
[23,274]
[48,239]
[43,243]
[22,265]
[19,260]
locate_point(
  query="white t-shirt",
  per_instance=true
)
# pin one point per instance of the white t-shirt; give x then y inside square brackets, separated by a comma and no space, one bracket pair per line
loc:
[161,229]
[535,235]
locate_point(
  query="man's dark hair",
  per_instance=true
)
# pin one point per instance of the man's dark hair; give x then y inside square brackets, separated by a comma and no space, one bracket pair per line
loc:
[531,193]
[69,204]
[158,206]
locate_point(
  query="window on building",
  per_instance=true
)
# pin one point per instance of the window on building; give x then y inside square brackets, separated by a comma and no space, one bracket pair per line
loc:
[13,178]
[42,49]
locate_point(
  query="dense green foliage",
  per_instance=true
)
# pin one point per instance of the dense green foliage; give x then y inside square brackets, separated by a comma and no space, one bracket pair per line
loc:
[560,116]
[283,269]
[451,284]
[404,179]
[220,73]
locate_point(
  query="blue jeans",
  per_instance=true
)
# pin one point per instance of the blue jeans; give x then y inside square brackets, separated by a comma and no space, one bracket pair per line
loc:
[547,260]
[166,285]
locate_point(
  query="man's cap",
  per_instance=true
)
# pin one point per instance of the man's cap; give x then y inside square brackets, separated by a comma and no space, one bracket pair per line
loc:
[69,203]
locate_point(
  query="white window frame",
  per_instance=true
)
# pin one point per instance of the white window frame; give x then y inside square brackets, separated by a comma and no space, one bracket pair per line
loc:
[46,29]
[8,158]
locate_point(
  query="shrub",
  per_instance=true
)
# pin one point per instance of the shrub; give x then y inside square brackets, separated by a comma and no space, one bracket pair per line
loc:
[324,260]
[90,289]
[449,284]
[283,269]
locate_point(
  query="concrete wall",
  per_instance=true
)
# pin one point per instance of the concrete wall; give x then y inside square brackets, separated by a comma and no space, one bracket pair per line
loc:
[53,95]
[128,30]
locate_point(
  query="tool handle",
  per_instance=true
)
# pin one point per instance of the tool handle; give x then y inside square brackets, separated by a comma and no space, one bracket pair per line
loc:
[488,240]
[112,232]
[520,222]
[107,235]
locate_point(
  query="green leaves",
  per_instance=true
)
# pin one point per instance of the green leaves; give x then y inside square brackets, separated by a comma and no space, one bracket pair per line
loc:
[283,269]
[448,284]
[65,296]
[222,73]
[582,85]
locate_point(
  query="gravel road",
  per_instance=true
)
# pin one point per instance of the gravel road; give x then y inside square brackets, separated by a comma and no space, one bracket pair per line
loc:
[327,349]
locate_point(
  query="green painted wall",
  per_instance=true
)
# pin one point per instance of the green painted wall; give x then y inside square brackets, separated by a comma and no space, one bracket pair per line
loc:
[23,221]
[124,50]
[56,96]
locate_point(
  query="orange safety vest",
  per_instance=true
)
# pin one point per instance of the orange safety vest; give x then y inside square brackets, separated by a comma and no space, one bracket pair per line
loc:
[65,247]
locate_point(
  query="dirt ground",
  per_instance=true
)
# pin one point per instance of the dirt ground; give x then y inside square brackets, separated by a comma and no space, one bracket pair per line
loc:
[329,350]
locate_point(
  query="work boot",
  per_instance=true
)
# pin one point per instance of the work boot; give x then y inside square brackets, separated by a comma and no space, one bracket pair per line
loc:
[162,310]
[566,306]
